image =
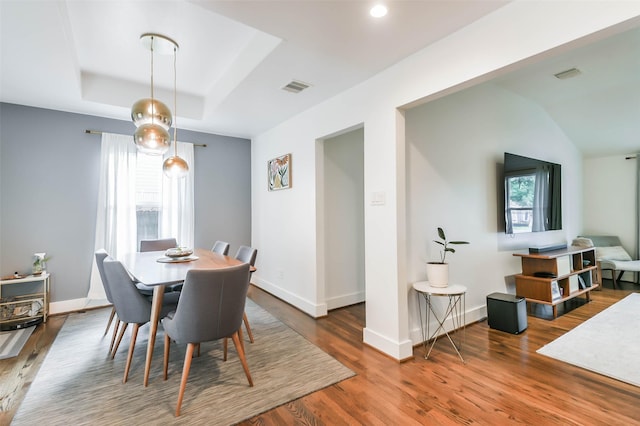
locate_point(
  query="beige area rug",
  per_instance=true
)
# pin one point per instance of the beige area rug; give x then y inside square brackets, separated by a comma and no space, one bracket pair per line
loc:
[79,385]
[608,343]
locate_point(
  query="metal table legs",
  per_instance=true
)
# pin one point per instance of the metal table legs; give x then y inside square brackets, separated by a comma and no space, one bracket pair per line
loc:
[455,311]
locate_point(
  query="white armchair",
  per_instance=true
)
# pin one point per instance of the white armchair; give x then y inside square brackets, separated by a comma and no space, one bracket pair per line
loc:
[610,255]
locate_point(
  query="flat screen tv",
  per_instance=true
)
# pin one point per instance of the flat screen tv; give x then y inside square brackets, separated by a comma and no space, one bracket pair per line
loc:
[532,195]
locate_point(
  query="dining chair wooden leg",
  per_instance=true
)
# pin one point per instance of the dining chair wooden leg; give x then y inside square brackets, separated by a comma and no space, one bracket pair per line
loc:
[132,345]
[237,342]
[115,333]
[241,337]
[115,348]
[247,326]
[167,344]
[185,375]
[226,344]
[113,314]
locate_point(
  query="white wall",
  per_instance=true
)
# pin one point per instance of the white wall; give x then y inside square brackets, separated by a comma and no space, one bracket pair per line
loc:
[284,225]
[609,190]
[455,149]
[610,198]
[344,219]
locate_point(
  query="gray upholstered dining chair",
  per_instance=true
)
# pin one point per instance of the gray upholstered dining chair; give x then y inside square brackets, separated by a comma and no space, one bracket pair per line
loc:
[131,306]
[157,245]
[247,255]
[100,255]
[221,247]
[210,308]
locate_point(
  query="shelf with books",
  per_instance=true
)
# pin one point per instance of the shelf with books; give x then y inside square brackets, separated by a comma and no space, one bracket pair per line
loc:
[554,277]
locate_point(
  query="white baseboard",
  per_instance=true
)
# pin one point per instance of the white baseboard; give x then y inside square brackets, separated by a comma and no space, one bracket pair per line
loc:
[397,350]
[312,309]
[345,300]
[72,305]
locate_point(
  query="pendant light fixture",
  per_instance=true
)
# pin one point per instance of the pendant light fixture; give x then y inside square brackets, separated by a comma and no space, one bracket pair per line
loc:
[151,117]
[175,167]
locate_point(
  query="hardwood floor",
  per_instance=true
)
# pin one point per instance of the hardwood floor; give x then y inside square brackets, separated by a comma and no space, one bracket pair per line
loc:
[17,374]
[503,381]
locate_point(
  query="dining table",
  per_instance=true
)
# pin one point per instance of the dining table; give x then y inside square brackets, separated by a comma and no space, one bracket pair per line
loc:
[155,269]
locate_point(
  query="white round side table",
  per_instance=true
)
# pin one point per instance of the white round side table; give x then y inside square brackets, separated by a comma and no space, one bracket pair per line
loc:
[455,311]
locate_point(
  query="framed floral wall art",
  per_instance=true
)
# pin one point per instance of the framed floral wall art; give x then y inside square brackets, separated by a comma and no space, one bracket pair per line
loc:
[279,172]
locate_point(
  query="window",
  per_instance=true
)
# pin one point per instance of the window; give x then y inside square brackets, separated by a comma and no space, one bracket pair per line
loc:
[136,201]
[520,196]
[148,196]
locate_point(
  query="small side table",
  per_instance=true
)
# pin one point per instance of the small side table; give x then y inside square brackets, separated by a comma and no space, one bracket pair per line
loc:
[29,296]
[455,310]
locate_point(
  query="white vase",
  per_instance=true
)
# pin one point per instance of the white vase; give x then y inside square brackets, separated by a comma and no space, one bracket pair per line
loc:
[438,274]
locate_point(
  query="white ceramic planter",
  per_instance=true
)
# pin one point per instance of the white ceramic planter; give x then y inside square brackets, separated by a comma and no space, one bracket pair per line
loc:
[438,274]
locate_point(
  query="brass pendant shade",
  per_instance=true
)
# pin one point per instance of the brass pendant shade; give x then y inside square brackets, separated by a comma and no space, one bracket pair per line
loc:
[152,139]
[175,167]
[151,111]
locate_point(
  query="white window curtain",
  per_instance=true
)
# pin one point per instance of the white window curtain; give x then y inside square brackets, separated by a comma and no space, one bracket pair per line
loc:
[116,214]
[540,200]
[508,213]
[116,227]
[177,211]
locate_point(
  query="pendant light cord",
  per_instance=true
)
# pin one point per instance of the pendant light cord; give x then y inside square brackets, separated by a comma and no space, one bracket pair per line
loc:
[175,101]
[153,106]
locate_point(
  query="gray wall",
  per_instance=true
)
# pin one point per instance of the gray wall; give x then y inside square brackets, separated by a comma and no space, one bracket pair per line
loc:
[48,191]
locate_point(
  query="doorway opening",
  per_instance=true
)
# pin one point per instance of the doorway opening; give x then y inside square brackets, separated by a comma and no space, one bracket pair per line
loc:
[341,219]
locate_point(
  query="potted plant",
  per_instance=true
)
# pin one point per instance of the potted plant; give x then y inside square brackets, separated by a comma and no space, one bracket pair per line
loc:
[438,272]
[39,263]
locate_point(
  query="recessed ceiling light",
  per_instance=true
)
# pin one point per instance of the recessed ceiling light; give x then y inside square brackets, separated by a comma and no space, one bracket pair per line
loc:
[378,11]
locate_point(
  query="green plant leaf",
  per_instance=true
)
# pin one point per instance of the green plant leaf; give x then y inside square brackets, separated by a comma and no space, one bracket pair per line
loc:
[445,244]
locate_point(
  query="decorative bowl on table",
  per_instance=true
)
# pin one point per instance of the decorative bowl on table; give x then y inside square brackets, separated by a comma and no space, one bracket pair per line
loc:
[178,252]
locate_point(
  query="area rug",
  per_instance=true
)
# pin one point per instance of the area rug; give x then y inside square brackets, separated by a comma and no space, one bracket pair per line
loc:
[11,342]
[608,343]
[78,384]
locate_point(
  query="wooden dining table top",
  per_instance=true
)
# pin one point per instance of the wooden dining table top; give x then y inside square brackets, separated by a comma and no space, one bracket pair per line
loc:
[145,267]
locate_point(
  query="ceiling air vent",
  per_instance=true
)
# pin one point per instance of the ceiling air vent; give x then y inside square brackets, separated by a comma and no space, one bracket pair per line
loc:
[295,86]
[562,75]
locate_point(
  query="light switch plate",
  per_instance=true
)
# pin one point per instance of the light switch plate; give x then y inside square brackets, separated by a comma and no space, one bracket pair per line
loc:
[378,198]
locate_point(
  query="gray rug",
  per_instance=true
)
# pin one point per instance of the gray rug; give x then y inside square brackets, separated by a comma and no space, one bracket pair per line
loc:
[79,385]
[11,342]
[608,343]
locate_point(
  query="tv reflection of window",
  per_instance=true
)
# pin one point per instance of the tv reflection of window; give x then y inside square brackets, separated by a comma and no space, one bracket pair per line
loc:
[532,195]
